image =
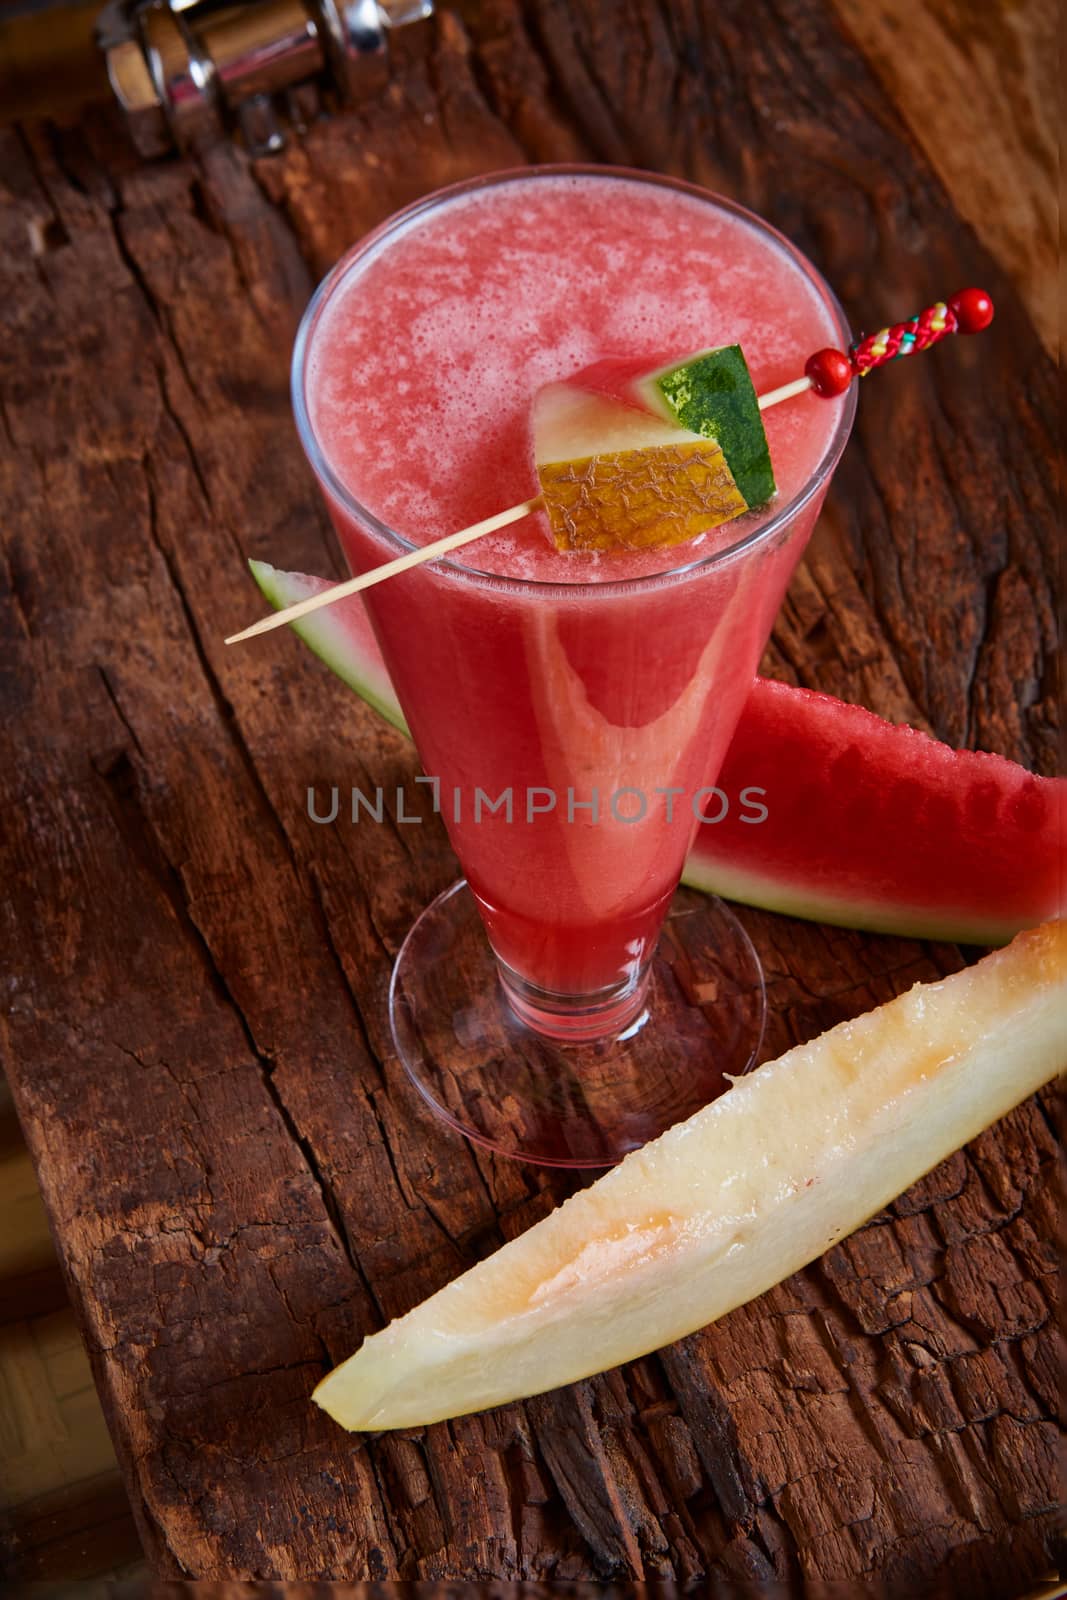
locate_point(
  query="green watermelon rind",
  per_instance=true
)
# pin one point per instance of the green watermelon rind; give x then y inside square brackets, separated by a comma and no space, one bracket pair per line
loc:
[713,876]
[326,637]
[712,394]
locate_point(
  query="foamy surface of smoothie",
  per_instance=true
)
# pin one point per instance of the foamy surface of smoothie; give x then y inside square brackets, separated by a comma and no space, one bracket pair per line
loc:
[425,361]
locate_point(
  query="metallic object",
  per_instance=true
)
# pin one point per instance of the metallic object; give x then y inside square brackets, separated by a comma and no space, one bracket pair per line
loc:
[185,70]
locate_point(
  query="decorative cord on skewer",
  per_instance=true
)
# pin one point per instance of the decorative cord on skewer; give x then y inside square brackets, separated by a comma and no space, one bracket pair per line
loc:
[831,371]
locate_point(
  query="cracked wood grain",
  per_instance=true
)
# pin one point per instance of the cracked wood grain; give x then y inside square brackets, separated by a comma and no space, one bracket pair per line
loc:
[240,1181]
[944,65]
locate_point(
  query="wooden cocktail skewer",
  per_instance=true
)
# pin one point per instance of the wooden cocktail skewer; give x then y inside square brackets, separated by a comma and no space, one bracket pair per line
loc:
[414,558]
[827,373]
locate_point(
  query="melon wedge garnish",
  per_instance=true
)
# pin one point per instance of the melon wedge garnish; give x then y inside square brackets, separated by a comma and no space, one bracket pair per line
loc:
[790,1160]
[633,459]
[614,477]
[711,393]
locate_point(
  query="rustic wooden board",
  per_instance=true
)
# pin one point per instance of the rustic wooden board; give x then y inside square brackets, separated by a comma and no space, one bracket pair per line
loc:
[945,65]
[240,1182]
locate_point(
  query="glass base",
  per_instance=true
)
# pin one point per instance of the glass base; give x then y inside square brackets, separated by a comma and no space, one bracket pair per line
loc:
[695,1017]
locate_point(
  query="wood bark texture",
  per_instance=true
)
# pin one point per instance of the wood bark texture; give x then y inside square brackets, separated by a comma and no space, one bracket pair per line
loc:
[240,1181]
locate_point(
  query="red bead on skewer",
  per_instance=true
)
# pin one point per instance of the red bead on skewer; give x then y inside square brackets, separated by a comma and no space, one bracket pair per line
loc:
[831,371]
[973,308]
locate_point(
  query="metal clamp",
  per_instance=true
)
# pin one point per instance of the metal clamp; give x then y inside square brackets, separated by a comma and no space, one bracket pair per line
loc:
[185,70]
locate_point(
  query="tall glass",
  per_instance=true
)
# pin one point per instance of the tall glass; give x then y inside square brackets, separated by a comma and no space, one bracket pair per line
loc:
[573,712]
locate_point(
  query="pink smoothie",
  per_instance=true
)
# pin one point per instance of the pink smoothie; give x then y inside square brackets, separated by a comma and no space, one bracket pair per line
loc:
[572,687]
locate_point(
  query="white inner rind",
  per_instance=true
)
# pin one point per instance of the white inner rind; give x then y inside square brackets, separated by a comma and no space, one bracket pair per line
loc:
[570,424]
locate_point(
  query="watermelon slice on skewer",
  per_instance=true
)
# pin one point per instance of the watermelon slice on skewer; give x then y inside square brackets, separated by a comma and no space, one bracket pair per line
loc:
[710,393]
[634,458]
[616,478]
[868,825]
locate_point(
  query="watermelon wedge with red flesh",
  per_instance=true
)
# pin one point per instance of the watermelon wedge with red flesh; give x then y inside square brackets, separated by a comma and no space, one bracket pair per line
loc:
[877,826]
[340,635]
[869,825]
